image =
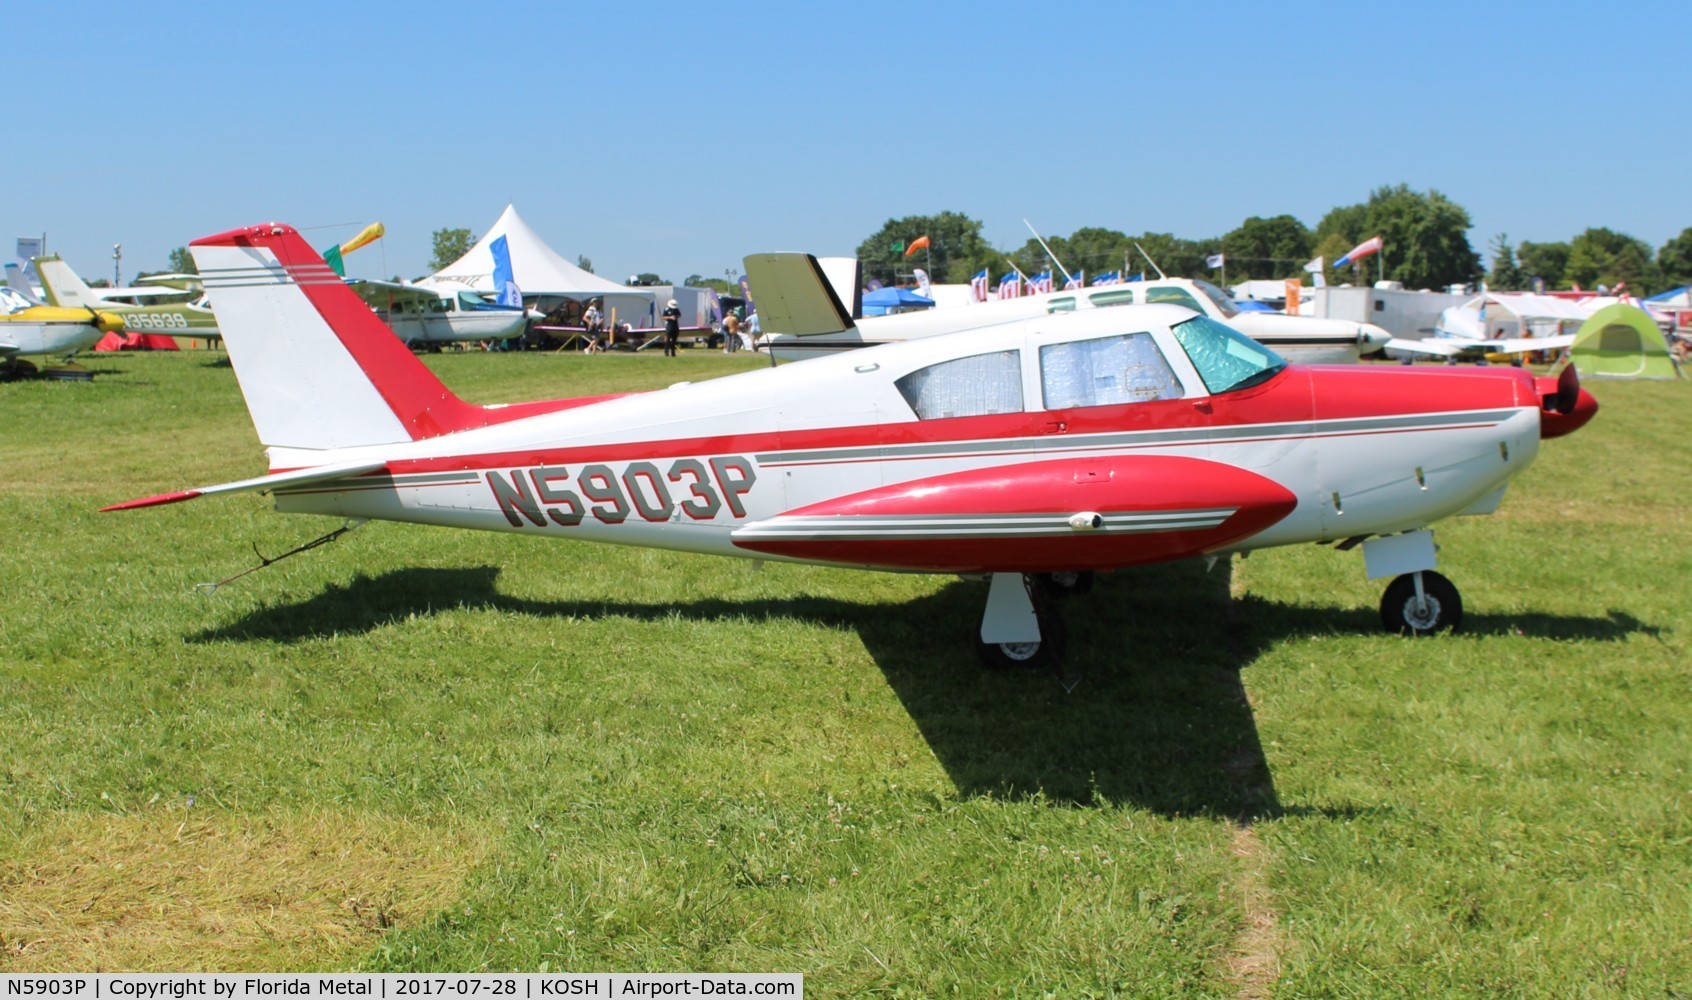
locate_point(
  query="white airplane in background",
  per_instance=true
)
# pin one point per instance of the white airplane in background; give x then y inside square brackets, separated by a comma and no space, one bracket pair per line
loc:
[428,317]
[816,330]
[1464,333]
[1029,453]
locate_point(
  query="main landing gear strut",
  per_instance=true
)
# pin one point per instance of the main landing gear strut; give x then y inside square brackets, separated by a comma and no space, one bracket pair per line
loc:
[1021,628]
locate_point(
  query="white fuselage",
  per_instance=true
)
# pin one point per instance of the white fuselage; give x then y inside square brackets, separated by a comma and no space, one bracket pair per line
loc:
[1300,339]
[697,466]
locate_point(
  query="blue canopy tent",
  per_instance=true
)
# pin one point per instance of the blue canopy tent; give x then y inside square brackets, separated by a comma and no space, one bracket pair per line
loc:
[885,300]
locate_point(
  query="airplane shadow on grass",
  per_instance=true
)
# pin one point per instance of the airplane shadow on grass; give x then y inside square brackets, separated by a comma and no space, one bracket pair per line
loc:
[1160,718]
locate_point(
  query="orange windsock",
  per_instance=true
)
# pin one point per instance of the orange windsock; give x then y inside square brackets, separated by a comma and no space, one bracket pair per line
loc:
[368,234]
[920,243]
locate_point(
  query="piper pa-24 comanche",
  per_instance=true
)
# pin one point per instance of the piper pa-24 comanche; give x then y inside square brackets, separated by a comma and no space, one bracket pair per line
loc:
[1030,453]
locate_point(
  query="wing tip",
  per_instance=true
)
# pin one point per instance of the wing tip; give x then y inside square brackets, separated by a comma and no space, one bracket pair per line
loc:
[155,501]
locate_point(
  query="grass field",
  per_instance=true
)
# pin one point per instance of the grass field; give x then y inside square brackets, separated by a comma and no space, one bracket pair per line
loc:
[426,749]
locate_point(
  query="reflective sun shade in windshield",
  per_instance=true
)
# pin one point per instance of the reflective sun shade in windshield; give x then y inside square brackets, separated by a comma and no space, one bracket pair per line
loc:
[1225,358]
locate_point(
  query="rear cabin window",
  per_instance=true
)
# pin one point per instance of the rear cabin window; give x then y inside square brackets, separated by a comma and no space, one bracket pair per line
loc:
[1065,304]
[966,387]
[1120,297]
[1105,372]
[1175,296]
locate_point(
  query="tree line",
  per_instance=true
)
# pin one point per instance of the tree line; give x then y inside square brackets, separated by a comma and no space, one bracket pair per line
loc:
[1424,236]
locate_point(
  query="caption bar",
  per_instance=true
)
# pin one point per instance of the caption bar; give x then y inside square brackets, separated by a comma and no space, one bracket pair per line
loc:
[380,986]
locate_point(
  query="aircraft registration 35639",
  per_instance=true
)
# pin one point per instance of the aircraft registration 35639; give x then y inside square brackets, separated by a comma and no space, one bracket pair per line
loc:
[1032,453]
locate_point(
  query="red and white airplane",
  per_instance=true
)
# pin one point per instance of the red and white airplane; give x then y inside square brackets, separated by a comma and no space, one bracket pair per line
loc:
[1031,453]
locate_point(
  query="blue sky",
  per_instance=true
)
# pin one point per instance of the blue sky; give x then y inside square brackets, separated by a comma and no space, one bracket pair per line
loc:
[677,138]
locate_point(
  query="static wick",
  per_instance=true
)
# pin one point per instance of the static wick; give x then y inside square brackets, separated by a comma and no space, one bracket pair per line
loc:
[211,588]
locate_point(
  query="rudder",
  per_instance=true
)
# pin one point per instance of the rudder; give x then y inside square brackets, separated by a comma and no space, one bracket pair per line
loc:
[318,369]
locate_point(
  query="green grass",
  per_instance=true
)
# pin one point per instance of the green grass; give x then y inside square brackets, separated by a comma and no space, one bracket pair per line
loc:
[654,761]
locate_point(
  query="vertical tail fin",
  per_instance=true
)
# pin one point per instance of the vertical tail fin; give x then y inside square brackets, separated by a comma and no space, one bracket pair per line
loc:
[319,370]
[62,286]
[16,280]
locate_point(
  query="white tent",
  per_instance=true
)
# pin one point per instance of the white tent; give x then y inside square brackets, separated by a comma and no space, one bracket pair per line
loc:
[541,273]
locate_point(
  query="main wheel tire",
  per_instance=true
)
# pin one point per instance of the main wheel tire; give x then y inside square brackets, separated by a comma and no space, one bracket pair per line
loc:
[1046,654]
[1441,612]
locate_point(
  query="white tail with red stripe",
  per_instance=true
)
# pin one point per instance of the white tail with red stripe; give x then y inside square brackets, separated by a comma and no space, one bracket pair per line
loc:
[319,370]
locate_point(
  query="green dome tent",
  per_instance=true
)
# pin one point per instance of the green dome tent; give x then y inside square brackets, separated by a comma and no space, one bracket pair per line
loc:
[1621,341]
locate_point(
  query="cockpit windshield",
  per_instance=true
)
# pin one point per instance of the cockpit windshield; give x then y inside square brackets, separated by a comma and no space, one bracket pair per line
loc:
[1225,358]
[1224,302]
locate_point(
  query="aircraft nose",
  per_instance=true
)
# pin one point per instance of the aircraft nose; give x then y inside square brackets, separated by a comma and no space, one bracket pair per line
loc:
[1371,338]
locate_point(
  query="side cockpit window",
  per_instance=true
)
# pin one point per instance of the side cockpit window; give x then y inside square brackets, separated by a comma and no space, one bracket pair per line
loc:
[967,387]
[1106,372]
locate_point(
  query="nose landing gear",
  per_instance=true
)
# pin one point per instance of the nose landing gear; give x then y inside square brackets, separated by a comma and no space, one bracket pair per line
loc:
[1421,603]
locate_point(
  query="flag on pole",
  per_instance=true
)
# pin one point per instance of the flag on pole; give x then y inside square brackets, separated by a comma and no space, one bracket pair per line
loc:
[1214,261]
[924,288]
[920,243]
[898,246]
[1315,268]
[978,286]
[1040,283]
[1010,286]
[1076,280]
[332,257]
[1360,251]
[505,283]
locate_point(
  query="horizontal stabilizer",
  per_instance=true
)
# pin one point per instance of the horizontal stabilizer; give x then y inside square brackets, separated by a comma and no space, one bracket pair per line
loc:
[297,477]
[794,295]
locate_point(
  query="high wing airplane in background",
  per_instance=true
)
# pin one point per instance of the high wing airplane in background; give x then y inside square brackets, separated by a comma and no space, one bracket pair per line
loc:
[1031,453]
[430,316]
[816,330]
[29,328]
[162,307]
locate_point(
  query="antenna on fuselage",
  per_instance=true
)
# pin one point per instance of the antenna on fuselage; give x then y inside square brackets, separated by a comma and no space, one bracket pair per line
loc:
[1067,277]
[1149,260]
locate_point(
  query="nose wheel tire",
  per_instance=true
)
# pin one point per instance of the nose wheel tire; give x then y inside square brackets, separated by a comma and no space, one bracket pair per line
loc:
[1046,654]
[1436,608]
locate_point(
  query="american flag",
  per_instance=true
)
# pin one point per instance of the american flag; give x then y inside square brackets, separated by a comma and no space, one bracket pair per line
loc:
[1074,281]
[978,286]
[1010,286]
[1108,278]
[1041,282]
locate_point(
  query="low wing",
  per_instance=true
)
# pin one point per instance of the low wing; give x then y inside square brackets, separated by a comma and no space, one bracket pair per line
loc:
[1433,345]
[1452,347]
[795,296]
[296,477]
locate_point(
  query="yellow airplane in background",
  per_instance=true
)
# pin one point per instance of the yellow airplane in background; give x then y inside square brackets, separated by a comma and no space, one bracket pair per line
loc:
[30,328]
[163,305]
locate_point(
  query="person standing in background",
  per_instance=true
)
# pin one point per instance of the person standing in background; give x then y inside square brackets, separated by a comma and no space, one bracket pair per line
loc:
[672,328]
